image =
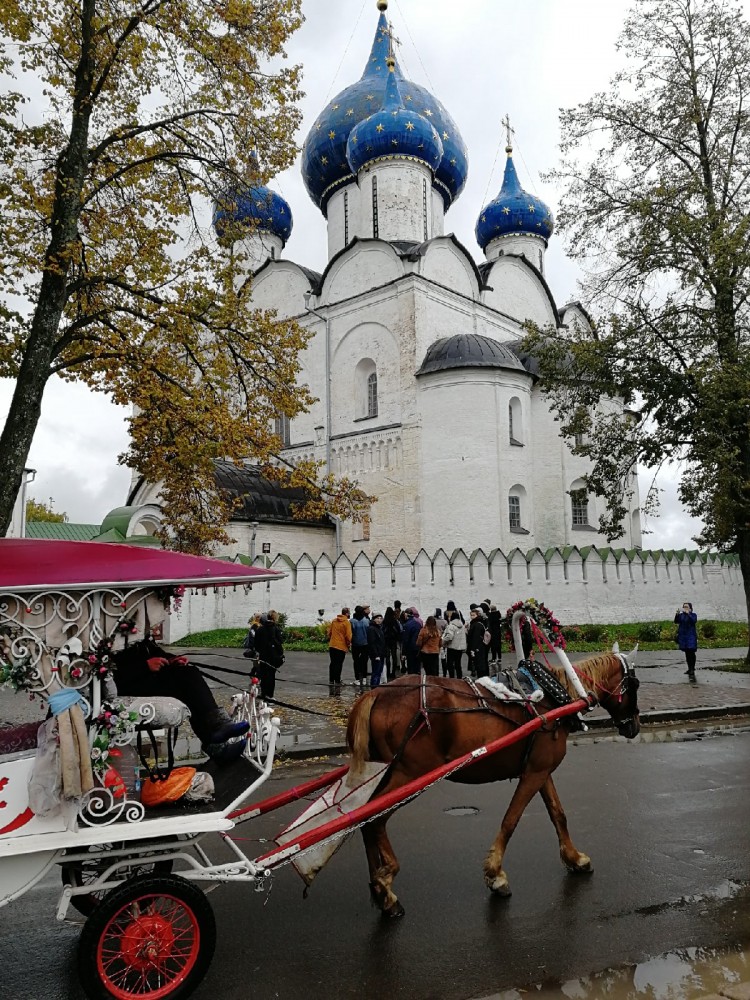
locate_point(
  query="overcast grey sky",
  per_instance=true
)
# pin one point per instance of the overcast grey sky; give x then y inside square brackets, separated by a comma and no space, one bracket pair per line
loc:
[483,59]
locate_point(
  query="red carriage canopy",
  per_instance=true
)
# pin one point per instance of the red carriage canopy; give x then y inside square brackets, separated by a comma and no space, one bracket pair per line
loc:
[28,564]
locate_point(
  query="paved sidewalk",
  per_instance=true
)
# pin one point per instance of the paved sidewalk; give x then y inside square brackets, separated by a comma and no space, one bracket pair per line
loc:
[666,696]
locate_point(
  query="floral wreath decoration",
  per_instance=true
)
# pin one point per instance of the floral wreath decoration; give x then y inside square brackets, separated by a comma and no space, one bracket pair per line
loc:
[171,597]
[113,723]
[538,612]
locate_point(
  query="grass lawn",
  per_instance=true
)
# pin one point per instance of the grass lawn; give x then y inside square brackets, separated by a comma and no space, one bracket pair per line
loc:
[580,638]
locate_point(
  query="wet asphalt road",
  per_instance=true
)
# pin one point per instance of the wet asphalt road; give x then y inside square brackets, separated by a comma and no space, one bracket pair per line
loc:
[667,826]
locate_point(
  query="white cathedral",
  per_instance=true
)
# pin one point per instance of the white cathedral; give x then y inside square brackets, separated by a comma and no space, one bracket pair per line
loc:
[422,392]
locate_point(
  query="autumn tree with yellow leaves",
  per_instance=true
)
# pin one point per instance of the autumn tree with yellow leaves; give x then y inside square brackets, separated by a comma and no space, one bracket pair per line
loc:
[127,121]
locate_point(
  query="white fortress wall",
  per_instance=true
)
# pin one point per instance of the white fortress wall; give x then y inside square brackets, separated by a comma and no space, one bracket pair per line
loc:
[580,586]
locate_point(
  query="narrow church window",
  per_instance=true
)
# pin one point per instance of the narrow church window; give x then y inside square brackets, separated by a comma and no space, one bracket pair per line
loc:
[578,440]
[346,218]
[282,429]
[372,395]
[424,208]
[579,507]
[375,231]
[515,424]
[514,512]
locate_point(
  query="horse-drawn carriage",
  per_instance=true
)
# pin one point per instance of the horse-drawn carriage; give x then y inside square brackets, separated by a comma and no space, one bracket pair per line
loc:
[135,873]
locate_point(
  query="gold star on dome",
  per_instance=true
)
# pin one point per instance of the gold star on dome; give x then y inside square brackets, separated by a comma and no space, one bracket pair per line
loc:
[318,126]
[531,209]
[395,113]
[538,225]
[428,112]
[370,97]
[394,142]
[410,126]
[506,210]
[335,107]
[453,162]
[324,160]
[281,210]
[484,218]
[445,135]
[331,134]
[408,97]
[420,146]
[355,140]
[380,128]
[350,112]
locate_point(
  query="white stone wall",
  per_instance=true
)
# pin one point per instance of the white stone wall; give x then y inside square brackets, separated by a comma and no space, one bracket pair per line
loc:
[644,586]
[518,292]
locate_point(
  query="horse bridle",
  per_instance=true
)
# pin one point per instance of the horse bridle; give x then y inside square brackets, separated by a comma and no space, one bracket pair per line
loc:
[628,686]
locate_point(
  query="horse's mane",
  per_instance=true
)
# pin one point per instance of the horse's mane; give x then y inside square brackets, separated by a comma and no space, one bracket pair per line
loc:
[596,668]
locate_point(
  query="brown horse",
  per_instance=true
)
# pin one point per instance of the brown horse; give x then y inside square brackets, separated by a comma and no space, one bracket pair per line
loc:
[418,724]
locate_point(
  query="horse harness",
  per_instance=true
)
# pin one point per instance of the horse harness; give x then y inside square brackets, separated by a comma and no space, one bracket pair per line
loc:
[539,675]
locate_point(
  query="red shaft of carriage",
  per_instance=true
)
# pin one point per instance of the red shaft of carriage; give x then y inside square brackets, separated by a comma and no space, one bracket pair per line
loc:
[391,800]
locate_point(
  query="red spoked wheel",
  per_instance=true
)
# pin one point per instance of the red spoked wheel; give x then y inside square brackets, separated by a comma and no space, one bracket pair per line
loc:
[152,937]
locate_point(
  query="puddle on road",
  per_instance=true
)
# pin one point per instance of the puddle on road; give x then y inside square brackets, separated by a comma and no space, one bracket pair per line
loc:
[685,974]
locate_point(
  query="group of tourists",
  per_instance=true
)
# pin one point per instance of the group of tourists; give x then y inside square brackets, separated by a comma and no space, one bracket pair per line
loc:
[401,642]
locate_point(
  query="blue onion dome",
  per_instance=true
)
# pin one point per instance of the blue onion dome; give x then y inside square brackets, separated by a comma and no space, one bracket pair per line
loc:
[325,168]
[259,208]
[514,211]
[393,133]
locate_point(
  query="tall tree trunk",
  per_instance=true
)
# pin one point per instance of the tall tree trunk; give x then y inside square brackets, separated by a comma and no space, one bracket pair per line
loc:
[743,549]
[72,164]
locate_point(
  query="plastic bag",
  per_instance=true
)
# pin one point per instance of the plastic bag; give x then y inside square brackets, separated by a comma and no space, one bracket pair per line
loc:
[45,781]
[201,788]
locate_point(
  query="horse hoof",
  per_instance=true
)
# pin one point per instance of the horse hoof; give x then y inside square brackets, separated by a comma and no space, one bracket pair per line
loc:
[394,911]
[498,887]
[583,867]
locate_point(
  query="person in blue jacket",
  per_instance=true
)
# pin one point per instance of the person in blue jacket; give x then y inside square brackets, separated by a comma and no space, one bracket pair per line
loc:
[360,650]
[687,636]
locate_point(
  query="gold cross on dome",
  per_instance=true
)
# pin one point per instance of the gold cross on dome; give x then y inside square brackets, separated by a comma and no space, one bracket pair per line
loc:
[391,41]
[509,131]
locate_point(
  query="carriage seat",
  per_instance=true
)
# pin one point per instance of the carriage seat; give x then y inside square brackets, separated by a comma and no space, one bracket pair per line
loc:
[169,713]
[15,738]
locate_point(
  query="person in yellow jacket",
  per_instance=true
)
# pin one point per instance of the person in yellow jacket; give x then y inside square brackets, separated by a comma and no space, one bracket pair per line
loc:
[339,643]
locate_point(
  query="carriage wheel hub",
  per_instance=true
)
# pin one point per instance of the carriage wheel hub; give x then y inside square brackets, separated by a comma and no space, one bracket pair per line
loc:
[148,940]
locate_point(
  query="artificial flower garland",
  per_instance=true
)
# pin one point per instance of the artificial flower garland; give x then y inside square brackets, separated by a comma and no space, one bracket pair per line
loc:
[542,615]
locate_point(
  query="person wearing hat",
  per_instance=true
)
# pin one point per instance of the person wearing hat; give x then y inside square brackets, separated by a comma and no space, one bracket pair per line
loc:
[376,649]
[412,628]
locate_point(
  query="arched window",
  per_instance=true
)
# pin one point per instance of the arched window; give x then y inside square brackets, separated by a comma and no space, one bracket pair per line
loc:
[366,383]
[514,511]
[515,424]
[580,515]
[372,394]
[517,512]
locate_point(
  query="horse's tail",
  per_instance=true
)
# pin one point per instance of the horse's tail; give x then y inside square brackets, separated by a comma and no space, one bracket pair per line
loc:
[358,731]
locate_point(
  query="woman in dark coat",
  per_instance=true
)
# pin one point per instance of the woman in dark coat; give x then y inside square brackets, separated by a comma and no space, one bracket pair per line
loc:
[270,652]
[687,636]
[477,646]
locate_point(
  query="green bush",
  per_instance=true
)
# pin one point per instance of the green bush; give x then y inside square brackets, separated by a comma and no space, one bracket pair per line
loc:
[707,630]
[592,633]
[649,632]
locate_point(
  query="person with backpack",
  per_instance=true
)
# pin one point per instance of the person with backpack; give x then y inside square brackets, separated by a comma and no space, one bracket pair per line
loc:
[454,642]
[270,651]
[477,645]
[392,634]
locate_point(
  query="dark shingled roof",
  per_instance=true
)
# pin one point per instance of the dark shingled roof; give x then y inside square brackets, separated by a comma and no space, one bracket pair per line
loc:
[262,500]
[468,350]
